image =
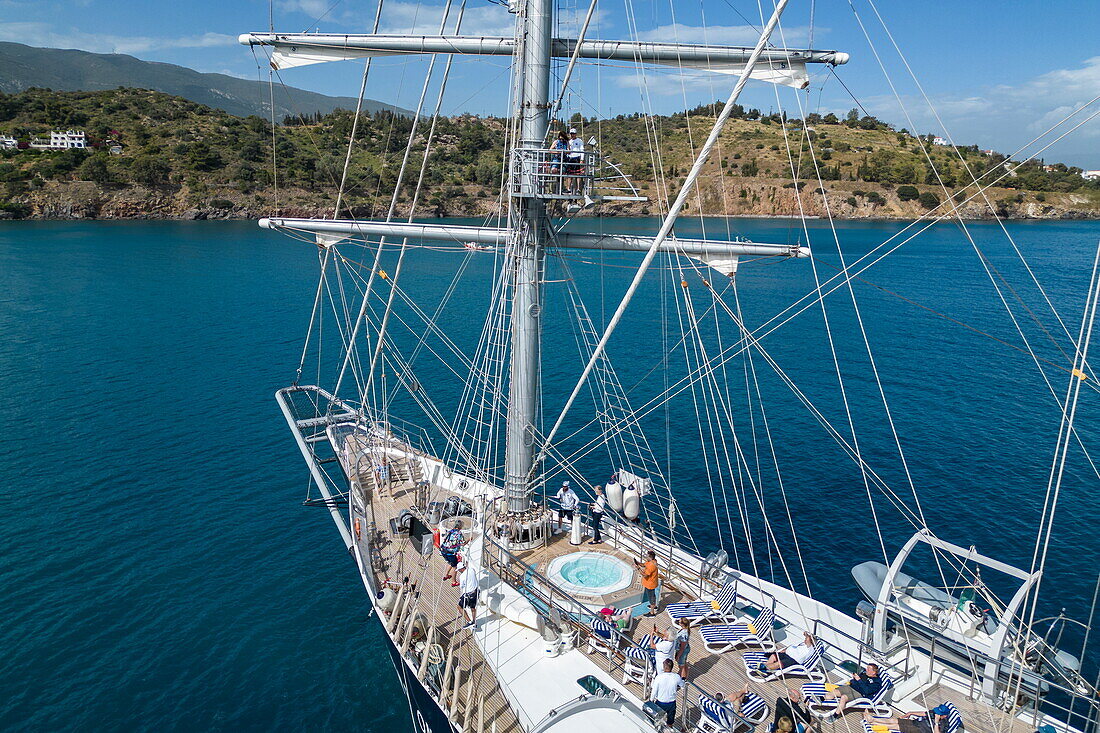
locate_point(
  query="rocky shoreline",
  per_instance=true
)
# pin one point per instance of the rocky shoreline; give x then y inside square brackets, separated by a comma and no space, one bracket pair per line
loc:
[85,200]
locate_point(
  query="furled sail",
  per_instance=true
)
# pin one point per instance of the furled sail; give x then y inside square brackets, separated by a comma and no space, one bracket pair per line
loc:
[777,72]
[775,66]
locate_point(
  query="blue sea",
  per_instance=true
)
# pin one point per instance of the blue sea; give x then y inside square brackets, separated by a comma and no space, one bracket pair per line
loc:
[158,568]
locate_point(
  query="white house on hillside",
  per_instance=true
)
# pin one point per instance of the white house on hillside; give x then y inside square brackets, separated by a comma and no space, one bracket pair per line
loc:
[8,142]
[1091,175]
[939,141]
[68,139]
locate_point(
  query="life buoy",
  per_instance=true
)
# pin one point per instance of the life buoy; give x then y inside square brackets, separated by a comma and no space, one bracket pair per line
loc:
[358,529]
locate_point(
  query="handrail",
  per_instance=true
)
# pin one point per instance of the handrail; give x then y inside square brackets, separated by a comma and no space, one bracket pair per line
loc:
[571,617]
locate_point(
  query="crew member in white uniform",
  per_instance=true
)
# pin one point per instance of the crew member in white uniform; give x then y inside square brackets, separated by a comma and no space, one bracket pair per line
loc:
[567,504]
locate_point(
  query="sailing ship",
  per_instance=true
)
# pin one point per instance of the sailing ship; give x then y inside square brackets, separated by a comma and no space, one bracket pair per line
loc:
[559,640]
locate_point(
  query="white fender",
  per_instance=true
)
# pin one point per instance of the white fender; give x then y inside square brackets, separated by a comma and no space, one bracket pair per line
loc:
[386,600]
[613,491]
[575,536]
[632,503]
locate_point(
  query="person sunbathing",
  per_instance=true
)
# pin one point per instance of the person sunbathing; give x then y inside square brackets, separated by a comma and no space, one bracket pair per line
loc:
[923,721]
[784,657]
[863,684]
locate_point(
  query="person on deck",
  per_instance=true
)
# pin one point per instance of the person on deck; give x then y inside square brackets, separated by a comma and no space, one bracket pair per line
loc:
[683,646]
[560,146]
[864,684]
[792,707]
[567,504]
[574,162]
[650,578]
[599,506]
[784,657]
[664,646]
[467,600]
[449,549]
[666,686]
[924,721]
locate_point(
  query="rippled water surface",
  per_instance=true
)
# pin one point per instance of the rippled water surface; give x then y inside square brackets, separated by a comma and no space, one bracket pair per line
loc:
[159,571]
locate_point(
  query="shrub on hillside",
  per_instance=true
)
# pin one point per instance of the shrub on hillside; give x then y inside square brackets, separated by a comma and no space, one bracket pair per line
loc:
[929,200]
[908,193]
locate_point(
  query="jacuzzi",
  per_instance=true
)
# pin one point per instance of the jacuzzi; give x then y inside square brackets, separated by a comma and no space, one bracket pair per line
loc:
[589,574]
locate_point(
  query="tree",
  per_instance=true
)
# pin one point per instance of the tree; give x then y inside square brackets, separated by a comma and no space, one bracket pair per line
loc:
[908,193]
[929,200]
[150,170]
[94,169]
[201,158]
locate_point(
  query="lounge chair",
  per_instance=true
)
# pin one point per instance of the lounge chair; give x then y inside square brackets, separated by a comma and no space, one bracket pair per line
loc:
[810,668]
[637,664]
[722,608]
[718,717]
[954,722]
[814,693]
[720,638]
[602,639]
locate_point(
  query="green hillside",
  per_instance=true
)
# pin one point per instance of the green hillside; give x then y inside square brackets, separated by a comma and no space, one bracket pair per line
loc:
[183,159]
[24,67]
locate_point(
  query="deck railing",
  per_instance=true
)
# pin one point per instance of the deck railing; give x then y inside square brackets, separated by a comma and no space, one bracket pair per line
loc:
[552,174]
[578,616]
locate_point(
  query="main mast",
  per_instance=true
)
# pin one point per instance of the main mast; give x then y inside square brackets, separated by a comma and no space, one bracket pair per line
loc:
[530,221]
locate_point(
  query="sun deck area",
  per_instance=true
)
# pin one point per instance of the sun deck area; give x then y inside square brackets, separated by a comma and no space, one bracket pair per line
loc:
[469,686]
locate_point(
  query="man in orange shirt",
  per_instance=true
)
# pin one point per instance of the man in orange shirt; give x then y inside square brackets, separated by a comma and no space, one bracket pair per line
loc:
[650,576]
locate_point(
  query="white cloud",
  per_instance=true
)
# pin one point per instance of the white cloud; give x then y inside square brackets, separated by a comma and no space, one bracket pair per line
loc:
[313,8]
[478,20]
[43,34]
[1007,117]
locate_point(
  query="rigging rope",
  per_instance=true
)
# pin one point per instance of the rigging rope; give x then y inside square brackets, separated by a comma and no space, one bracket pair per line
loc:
[670,219]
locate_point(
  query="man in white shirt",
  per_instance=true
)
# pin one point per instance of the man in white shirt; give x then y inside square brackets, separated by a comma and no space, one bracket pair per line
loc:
[599,506]
[792,655]
[664,647]
[567,504]
[666,686]
[574,160]
[469,581]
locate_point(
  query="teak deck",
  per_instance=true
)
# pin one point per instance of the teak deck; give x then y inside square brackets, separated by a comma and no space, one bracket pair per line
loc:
[437,600]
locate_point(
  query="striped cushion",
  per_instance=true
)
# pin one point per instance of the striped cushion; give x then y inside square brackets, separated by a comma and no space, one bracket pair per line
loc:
[954,718]
[753,707]
[726,600]
[731,633]
[727,597]
[715,711]
[695,609]
[765,623]
[815,690]
[601,629]
[815,658]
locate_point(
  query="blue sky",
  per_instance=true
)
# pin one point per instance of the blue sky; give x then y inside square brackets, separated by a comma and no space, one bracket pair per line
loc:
[999,73]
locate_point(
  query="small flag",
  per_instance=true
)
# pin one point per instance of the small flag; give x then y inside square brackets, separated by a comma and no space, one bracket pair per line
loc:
[382,274]
[1080,374]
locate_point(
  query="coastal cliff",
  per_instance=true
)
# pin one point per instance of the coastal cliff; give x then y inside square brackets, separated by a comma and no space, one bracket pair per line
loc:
[155,156]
